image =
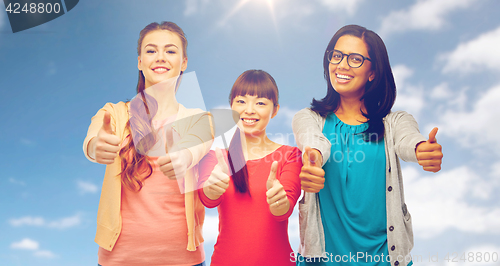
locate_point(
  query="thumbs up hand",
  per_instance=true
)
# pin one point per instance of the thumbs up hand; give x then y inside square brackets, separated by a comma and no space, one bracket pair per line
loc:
[429,153]
[174,165]
[106,144]
[276,194]
[218,181]
[312,175]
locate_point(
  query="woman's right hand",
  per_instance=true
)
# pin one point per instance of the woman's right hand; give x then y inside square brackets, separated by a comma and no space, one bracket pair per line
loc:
[106,145]
[218,181]
[312,175]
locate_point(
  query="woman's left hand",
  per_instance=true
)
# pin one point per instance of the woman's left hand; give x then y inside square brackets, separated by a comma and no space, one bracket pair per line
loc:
[276,194]
[174,165]
[429,153]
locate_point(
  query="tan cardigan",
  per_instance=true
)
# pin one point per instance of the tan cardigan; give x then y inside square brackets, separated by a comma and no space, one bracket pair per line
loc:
[191,129]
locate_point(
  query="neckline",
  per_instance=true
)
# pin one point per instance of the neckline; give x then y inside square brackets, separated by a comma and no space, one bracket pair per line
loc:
[339,121]
[258,159]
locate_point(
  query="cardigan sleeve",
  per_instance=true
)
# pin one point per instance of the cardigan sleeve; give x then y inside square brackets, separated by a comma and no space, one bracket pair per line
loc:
[406,136]
[307,128]
[289,178]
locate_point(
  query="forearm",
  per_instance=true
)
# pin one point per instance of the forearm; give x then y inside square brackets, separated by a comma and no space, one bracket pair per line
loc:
[308,131]
[406,136]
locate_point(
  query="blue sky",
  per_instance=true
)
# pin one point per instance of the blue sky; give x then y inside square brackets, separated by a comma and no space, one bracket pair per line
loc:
[444,55]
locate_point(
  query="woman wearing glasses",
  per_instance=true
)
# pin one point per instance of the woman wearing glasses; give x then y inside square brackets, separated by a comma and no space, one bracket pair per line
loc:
[353,211]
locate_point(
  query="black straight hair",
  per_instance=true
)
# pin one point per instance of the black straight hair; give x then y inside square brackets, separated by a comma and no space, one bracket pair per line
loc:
[380,93]
[251,82]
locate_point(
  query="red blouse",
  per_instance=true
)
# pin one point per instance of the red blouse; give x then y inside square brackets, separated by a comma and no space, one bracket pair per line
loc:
[249,234]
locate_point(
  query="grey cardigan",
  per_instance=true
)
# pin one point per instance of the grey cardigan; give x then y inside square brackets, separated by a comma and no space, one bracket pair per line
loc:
[401,137]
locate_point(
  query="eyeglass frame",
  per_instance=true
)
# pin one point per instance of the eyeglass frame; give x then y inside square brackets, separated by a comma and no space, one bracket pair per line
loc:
[348,55]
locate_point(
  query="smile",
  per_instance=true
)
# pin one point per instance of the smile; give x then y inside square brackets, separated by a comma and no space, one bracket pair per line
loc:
[340,76]
[160,70]
[249,121]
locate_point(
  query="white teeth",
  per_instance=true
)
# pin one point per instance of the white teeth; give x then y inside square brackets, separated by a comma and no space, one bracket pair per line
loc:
[160,69]
[249,120]
[343,76]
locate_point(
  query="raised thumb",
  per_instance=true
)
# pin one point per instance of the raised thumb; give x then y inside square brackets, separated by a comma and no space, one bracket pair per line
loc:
[310,157]
[106,123]
[221,161]
[305,157]
[272,175]
[432,135]
[313,158]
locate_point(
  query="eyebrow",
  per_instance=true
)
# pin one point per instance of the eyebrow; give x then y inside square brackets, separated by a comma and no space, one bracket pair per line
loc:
[155,46]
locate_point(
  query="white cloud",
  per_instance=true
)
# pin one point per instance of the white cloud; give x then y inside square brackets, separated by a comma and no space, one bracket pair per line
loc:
[211,229]
[475,128]
[87,187]
[409,98]
[286,114]
[62,223]
[28,220]
[401,74]
[441,92]
[44,254]
[423,15]
[442,202]
[495,170]
[29,244]
[340,6]
[26,243]
[65,222]
[17,182]
[475,55]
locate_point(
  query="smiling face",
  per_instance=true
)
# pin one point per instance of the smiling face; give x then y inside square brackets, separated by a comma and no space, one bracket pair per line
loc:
[161,57]
[255,113]
[348,81]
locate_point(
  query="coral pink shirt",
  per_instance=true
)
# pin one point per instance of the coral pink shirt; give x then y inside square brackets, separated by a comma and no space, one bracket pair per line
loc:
[249,234]
[153,225]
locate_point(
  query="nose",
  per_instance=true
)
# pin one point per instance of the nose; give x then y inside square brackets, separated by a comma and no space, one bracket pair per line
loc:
[160,57]
[343,63]
[249,109]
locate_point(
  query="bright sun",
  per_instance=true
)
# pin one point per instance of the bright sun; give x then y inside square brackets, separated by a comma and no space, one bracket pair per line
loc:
[241,3]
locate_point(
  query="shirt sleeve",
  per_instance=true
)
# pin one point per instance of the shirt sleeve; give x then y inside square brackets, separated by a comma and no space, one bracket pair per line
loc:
[199,137]
[95,126]
[406,136]
[289,178]
[206,166]
[307,128]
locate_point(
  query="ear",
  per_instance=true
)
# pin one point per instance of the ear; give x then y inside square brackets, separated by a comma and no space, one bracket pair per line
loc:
[139,63]
[275,110]
[372,76]
[184,64]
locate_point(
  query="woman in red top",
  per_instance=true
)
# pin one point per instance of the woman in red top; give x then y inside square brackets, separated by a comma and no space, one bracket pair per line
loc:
[255,202]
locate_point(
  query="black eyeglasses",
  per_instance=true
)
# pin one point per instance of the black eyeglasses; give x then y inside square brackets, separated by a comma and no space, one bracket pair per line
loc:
[353,60]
